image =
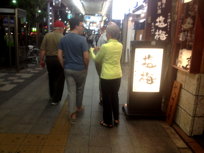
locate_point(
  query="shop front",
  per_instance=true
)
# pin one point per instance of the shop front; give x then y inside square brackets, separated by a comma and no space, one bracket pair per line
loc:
[13,37]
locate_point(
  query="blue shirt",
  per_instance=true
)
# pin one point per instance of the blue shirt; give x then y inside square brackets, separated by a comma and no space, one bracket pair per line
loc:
[73,45]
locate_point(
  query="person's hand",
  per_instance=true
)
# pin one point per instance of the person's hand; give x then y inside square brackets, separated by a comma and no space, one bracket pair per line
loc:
[42,64]
[96,49]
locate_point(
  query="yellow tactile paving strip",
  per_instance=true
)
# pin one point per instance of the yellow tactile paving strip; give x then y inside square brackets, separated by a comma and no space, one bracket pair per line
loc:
[54,142]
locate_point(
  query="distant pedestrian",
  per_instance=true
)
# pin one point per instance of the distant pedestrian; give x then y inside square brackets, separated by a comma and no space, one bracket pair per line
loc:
[109,56]
[74,47]
[48,55]
[102,40]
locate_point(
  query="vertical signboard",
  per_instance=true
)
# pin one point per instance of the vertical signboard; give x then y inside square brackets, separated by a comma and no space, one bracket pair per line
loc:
[146,80]
[159,20]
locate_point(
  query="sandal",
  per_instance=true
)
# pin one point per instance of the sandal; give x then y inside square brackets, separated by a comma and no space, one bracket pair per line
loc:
[102,123]
[73,116]
[116,122]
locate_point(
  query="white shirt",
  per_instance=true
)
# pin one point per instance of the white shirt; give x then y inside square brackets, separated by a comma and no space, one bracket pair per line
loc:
[102,40]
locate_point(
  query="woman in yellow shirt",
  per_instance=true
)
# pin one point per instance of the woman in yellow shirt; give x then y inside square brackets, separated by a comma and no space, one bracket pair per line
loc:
[109,56]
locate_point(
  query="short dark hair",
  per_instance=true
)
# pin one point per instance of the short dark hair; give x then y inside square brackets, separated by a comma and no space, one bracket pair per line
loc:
[74,22]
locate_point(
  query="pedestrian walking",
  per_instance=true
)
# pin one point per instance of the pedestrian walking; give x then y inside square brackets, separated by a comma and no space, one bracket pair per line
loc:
[48,55]
[109,56]
[74,48]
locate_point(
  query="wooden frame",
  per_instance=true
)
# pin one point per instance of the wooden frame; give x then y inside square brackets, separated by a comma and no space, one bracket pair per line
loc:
[198,39]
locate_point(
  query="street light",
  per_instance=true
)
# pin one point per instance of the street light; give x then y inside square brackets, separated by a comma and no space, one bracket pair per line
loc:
[14,1]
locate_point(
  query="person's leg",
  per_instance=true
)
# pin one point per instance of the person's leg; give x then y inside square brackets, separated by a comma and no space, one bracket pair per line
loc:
[71,87]
[50,76]
[115,99]
[80,79]
[107,113]
[59,82]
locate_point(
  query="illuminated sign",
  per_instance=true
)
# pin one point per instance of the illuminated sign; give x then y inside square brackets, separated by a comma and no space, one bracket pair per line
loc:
[186,1]
[147,69]
[90,18]
[184,59]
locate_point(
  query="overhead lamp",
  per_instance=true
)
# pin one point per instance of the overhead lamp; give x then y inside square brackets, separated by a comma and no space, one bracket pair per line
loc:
[106,5]
[79,5]
[187,1]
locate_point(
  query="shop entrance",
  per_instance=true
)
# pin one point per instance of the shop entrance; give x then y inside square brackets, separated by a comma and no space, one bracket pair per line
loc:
[13,38]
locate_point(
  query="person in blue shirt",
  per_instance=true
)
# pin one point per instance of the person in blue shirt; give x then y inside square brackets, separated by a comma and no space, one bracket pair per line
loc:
[74,48]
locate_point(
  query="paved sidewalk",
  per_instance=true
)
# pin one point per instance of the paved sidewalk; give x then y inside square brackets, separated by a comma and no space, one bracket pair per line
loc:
[29,124]
[11,81]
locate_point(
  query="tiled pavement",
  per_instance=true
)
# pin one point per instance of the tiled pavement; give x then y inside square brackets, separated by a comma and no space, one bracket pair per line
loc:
[28,124]
[11,82]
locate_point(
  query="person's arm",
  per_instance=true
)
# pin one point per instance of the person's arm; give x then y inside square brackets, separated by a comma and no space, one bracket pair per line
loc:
[42,58]
[86,58]
[43,52]
[100,54]
[60,57]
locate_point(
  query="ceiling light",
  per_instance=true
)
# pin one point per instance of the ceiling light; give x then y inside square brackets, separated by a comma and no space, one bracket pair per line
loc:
[79,5]
[186,1]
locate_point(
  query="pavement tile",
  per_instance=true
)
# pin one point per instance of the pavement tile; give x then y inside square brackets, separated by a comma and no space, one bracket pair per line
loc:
[3,74]
[1,80]
[185,150]
[100,141]
[4,82]
[100,150]
[56,140]
[77,149]
[52,149]
[12,78]
[127,148]
[29,149]
[7,87]
[26,75]
[13,139]
[9,148]
[76,140]
[35,139]
[34,71]
[18,80]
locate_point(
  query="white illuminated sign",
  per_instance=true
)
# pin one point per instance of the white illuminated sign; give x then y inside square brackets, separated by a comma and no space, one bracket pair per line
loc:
[147,69]
[186,1]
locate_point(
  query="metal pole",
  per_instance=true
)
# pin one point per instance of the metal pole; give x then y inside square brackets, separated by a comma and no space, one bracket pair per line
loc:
[9,37]
[16,39]
[37,27]
[48,17]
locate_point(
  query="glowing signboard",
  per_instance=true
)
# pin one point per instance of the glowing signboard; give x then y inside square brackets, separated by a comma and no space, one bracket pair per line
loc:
[147,69]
